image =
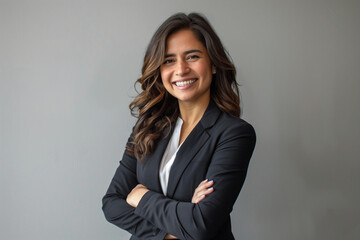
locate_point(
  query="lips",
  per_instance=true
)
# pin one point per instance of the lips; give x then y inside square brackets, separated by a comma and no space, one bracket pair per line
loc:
[184,83]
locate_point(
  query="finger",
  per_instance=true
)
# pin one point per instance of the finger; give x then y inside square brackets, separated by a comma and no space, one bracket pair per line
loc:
[209,190]
[209,184]
[200,195]
[204,188]
[205,191]
[205,185]
[198,198]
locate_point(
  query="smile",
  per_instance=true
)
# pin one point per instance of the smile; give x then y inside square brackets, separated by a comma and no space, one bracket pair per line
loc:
[184,83]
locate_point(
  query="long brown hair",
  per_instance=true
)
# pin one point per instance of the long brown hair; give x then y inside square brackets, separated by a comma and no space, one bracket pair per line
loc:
[154,107]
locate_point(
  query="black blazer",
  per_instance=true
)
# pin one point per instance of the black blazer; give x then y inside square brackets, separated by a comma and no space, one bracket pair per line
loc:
[218,148]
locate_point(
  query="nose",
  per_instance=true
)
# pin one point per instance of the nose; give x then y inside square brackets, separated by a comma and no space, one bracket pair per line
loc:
[182,68]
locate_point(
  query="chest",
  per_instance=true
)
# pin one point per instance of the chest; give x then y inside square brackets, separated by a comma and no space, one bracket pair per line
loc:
[188,170]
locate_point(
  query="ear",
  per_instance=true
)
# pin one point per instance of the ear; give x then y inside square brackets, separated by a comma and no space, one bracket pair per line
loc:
[213,69]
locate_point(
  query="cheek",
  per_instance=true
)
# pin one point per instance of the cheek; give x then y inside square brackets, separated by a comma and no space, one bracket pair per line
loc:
[165,77]
[165,82]
[162,74]
[206,73]
[204,69]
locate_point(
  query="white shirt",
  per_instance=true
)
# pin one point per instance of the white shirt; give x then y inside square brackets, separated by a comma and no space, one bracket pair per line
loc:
[169,156]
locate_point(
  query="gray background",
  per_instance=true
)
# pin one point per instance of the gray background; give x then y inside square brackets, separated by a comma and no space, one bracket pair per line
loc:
[67,70]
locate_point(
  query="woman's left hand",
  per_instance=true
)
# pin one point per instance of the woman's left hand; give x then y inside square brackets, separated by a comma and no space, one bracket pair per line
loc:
[204,188]
[136,194]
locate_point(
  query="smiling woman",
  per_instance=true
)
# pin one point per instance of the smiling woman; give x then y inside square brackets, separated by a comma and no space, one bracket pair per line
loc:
[187,70]
[187,157]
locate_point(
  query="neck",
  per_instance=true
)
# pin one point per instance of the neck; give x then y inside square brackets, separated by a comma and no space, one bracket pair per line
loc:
[192,113]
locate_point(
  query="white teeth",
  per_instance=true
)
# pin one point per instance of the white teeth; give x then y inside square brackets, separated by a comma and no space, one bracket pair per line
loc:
[184,83]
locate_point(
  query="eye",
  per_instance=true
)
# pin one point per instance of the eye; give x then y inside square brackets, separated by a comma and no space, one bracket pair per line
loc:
[168,61]
[192,57]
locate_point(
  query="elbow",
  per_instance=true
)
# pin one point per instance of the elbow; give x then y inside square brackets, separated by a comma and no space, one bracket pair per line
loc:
[115,209]
[107,215]
[106,208]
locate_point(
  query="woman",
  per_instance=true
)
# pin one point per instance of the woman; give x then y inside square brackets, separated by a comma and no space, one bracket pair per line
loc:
[187,157]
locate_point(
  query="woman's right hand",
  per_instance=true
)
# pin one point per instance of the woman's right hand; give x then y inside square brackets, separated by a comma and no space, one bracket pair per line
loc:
[204,188]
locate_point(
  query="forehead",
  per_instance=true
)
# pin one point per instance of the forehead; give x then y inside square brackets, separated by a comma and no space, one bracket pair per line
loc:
[183,40]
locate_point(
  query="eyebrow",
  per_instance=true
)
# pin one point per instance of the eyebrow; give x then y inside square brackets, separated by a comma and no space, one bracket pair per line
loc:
[186,52]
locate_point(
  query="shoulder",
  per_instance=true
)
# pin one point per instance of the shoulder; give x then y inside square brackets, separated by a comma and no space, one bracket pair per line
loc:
[220,125]
[233,126]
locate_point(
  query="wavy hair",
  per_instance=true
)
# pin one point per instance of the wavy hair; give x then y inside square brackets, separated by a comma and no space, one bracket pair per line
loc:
[154,107]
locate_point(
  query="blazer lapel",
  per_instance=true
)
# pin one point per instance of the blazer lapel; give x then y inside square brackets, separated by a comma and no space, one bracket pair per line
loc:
[152,163]
[192,144]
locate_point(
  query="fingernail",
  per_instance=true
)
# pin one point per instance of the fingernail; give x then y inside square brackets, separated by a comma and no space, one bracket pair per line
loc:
[210,181]
[210,188]
[206,180]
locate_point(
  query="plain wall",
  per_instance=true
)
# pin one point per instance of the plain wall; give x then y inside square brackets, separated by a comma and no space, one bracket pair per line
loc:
[67,70]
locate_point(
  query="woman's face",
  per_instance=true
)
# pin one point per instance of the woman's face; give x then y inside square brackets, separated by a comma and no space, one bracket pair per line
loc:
[187,70]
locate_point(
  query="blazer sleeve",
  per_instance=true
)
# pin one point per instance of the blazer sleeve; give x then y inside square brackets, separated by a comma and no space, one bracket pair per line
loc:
[228,169]
[118,211]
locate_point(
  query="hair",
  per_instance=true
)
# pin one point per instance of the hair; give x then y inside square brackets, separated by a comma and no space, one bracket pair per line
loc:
[154,107]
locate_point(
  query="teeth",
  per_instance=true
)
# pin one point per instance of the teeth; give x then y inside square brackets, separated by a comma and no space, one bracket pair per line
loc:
[184,83]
